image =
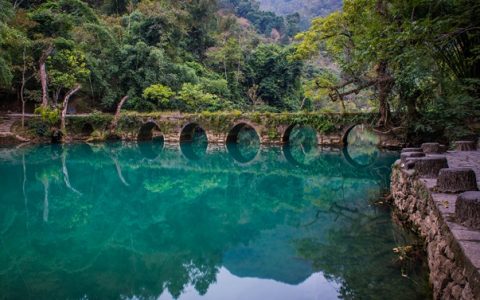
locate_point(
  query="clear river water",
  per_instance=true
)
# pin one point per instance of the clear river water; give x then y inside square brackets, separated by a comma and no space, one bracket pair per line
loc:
[155,221]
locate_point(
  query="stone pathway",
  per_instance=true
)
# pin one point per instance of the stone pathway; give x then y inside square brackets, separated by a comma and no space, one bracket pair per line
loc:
[467,159]
[7,137]
[6,124]
[468,239]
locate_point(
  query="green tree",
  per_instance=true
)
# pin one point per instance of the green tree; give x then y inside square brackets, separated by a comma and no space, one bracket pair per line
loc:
[159,93]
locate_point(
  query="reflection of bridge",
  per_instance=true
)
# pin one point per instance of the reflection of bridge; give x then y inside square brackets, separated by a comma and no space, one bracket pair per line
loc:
[269,161]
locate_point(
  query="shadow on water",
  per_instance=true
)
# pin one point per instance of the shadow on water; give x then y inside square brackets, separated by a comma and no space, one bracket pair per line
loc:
[210,228]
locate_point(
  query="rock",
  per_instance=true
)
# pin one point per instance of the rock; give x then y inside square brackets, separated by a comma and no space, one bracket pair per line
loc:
[467,209]
[431,148]
[428,166]
[11,139]
[443,148]
[456,180]
[434,148]
[405,155]
[405,150]
[465,146]
[457,292]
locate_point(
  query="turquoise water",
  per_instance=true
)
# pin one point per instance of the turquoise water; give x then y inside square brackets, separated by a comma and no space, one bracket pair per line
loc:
[156,221]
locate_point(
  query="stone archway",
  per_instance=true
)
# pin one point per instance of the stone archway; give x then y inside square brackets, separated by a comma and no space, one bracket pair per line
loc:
[286,137]
[149,131]
[233,134]
[193,141]
[243,143]
[346,132]
[87,130]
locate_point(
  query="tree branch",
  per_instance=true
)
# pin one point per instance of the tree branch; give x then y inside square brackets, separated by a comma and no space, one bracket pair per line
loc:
[65,104]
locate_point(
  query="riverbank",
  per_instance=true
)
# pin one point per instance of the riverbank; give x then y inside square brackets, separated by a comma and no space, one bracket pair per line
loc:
[420,201]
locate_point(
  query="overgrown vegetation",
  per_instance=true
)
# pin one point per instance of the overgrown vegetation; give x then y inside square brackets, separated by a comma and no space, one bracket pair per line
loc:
[420,58]
[415,59]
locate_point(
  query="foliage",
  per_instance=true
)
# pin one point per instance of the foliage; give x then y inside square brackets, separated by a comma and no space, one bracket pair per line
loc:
[160,93]
[419,59]
[193,97]
[66,68]
[403,52]
[51,116]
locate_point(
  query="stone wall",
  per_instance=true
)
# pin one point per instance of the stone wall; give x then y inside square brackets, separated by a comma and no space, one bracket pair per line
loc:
[454,272]
[271,128]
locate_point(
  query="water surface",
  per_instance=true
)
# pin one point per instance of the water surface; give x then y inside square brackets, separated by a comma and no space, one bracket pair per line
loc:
[153,221]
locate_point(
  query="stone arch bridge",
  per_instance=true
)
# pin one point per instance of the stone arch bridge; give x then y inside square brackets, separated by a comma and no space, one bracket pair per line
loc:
[222,128]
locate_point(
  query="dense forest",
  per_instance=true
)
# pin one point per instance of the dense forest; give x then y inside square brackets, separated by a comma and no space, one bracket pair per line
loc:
[415,62]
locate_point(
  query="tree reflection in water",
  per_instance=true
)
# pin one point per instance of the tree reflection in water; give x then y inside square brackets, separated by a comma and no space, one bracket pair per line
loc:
[177,223]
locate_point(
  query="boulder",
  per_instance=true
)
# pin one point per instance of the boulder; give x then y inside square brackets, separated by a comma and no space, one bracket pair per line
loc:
[465,146]
[456,180]
[427,166]
[467,209]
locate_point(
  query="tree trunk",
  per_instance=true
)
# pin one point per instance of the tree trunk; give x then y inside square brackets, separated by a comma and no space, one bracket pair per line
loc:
[56,95]
[384,87]
[22,88]
[43,74]
[114,124]
[65,105]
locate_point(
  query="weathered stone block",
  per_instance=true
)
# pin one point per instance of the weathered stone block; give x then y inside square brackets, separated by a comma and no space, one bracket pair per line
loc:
[465,146]
[433,148]
[405,150]
[428,166]
[467,209]
[456,180]
[406,155]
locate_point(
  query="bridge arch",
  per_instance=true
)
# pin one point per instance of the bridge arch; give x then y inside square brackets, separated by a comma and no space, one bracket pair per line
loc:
[148,131]
[346,132]
[233,133]
[243,151]
[190,131]
[288,132]
[363,127]
[87,130]
[193,141]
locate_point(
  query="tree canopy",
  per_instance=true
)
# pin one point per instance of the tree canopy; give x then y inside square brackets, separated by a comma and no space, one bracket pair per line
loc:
[415,62]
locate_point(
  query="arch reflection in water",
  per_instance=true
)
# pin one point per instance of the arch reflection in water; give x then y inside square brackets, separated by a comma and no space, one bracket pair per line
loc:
[361,150]
[243,143]
[152,149]
[300,145]
[193,141]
